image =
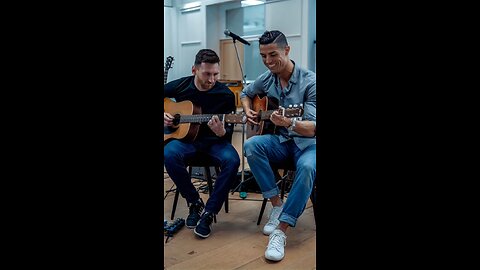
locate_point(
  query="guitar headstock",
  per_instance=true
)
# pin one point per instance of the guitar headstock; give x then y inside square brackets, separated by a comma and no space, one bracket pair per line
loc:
[169,63]
[236,118]
[291,112]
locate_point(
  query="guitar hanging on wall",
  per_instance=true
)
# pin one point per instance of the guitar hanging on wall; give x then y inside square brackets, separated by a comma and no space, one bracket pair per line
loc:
[168,65]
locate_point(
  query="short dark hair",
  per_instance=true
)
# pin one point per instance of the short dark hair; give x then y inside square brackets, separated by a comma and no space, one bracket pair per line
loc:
[206,56]
[273,36]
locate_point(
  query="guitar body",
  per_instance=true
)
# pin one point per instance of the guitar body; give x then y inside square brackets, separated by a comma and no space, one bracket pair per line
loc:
[185,131]
[265,126]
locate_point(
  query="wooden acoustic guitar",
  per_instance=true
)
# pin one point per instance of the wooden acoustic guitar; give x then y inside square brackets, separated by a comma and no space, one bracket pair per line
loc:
[265,107]
[187,119]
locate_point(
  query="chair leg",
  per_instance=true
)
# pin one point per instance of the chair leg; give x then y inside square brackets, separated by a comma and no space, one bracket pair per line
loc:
[190,170]
[283,178]
[175,200]
[210,186]
[217,171]
[312,198]
[264,203]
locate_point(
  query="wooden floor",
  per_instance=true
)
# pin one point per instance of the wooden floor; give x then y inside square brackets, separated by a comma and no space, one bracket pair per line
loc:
[236,242]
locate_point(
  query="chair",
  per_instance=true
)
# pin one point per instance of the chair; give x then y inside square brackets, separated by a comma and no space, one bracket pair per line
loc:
[200,161]
[288,166]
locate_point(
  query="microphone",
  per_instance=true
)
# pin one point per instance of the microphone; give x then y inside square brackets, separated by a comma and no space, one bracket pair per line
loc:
[235,37]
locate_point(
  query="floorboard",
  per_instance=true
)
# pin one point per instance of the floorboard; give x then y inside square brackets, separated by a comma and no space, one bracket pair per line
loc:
[237,242]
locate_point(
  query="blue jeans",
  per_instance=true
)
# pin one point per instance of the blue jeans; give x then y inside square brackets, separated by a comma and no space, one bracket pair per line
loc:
[261,150]
[223,154]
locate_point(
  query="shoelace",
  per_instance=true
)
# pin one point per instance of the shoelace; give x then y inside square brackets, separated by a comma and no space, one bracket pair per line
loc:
[198,208]
[277,241]
[273,222]
[275,213]
[208,218]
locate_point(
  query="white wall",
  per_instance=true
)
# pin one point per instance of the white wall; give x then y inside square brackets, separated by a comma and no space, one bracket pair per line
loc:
[214,32]
[187,32]
[170,39]
[191,38]
[286,16]
[310,47]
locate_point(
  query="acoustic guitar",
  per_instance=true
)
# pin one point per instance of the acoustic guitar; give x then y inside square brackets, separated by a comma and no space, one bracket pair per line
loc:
[187,118]
[265,107]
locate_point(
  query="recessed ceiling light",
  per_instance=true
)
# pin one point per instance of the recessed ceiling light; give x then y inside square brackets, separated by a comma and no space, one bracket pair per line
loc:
[247,3]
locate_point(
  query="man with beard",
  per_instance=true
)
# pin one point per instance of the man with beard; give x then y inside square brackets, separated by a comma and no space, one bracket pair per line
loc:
[213,139]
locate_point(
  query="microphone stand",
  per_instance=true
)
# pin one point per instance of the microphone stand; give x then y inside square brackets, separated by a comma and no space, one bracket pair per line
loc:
[243,194]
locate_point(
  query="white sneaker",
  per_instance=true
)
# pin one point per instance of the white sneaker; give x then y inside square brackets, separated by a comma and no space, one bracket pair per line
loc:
[276,246]
[273,220]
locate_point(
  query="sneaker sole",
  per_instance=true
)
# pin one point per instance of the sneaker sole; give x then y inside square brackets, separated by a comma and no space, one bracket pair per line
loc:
[191,227]
[275,260]
[268,233]
[201,235]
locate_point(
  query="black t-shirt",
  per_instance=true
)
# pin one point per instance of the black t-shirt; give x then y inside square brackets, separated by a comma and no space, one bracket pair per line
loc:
[218,100]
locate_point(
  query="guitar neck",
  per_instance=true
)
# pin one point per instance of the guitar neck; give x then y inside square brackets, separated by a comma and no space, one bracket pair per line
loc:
[265,115]
[199,118]
[295,112]
[165,76]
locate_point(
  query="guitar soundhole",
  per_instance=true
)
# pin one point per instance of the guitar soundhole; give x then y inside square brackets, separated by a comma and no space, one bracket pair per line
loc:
[176,119]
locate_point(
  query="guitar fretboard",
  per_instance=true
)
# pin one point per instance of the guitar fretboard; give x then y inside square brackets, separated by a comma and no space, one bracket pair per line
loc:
[199,118]
[265,115]
[165,76]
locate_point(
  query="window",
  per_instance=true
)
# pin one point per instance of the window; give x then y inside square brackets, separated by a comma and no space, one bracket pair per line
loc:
[249,21]
[246,21]
[253,61]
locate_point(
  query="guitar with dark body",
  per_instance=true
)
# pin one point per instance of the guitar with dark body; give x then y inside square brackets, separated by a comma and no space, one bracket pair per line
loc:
[265,106]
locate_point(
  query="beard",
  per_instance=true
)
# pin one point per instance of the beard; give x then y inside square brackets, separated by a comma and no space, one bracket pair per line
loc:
[206,85]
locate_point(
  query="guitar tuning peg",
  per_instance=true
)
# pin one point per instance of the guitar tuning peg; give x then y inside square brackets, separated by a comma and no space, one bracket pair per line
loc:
[290,106]
[301,105]
[295,106]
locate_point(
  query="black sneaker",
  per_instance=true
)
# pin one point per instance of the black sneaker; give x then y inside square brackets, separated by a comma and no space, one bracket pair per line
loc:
[194,214]
[204,226]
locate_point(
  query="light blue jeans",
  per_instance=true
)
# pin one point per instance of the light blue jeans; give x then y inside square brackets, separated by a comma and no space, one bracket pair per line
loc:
[261,150]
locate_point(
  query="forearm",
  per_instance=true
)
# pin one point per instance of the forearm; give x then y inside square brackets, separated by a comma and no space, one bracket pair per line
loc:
[246,103]
[305,128]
